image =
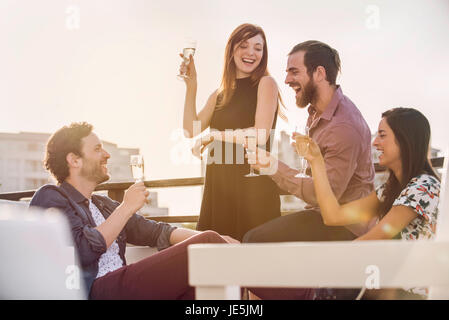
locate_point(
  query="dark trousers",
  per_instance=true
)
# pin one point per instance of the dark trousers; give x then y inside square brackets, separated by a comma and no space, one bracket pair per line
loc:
[300,226]
[161,276]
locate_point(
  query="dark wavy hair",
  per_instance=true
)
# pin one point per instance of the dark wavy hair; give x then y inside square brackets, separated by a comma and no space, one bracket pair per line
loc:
[317,53]
[412,132]
[64,141]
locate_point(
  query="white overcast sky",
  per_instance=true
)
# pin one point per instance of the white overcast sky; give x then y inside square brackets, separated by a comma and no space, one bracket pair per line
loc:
[118,69]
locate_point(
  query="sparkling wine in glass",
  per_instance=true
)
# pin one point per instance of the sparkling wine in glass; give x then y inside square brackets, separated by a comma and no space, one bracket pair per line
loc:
[301,147]
[187,51]
[137,166]
[251,151]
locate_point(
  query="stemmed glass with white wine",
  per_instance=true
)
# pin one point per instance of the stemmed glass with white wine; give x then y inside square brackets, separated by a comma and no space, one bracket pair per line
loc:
[302,144]
[251,150]
[137,166]
[187,51]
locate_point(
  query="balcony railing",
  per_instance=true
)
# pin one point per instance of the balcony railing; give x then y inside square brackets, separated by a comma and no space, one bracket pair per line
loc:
[116,191]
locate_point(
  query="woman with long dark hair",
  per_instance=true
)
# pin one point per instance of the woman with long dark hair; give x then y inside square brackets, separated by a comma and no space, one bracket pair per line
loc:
[407,204]
[245,104]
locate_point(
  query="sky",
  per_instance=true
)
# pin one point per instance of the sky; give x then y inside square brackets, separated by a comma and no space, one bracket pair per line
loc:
[113,63]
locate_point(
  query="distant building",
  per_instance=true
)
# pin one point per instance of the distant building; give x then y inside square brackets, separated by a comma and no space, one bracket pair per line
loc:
[21,156]
[21,161]
[118,164]
[21,165]
[152,209]
[287,154]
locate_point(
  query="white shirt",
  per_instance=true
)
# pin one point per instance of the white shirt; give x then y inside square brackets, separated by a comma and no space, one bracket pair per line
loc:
[110,260]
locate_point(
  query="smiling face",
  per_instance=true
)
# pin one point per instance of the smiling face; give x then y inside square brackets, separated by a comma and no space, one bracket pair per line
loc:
[248,55]
[298,79]
[94,159]
[387,146]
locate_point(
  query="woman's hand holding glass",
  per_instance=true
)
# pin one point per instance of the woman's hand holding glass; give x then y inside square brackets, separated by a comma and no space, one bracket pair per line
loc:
[251,150]
[306,147]
[187,70]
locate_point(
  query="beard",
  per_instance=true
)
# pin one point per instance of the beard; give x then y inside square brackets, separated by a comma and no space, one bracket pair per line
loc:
[94,172]
[308,96]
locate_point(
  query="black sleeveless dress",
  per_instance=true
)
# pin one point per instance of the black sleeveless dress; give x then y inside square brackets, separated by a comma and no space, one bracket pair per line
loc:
[232,203]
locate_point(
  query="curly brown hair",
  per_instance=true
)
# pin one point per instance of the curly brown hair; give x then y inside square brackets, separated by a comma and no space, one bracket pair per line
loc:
[64,141]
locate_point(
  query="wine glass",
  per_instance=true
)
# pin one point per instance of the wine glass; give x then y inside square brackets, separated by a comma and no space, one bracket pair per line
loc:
[187,51]
[137,166]
[251,151]
[292,129]
[301,148]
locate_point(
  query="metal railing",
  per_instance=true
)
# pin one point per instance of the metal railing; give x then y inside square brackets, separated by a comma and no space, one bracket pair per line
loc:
[116,191]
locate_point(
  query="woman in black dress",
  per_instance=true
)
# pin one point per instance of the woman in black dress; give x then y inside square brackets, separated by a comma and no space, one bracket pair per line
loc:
[245,104]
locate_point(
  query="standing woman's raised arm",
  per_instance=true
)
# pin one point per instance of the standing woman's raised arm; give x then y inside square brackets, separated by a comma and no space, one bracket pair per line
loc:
[190,114]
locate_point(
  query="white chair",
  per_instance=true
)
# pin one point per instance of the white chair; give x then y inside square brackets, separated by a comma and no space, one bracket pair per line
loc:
[37,255]
[218,271]
[17,204]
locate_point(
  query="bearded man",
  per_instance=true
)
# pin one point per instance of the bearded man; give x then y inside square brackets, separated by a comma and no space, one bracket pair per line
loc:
[344,138]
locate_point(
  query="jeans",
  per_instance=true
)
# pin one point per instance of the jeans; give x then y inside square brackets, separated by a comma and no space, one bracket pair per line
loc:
[300,226]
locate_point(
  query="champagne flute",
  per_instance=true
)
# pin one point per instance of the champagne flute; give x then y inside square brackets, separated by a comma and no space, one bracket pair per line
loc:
[251,151]
[187,51]
[293,129]
[301,148]
[137,166]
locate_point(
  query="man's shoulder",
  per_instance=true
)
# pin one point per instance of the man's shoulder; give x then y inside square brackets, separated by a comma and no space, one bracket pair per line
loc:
[349,115]
[49,190]
[49,195]
[348,124]
[344,134]
[348,107]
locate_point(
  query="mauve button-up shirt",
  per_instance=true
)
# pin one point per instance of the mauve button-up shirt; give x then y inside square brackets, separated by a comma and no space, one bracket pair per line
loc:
[344,138]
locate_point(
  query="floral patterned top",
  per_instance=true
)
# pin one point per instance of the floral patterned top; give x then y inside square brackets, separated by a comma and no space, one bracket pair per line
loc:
[422,195]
